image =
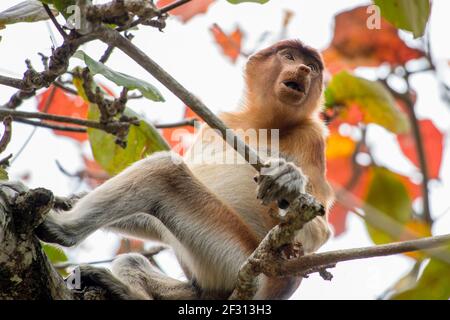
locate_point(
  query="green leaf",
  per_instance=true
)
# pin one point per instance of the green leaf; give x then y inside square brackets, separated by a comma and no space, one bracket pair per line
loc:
[61,5]
[388,195]
[375,102]
[142,140]
[121,79]
[241,1]
[54,254]
[434,284]
[3,174]
[26,11]
[408,15]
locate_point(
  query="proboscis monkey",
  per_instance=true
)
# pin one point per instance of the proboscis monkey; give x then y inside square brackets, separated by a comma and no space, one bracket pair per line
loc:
[215,214]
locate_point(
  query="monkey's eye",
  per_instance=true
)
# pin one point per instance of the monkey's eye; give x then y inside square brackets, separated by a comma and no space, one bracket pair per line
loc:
[289,56]
[313,67]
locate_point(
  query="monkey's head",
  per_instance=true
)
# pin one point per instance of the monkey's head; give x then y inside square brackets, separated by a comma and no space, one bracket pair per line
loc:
[286,75]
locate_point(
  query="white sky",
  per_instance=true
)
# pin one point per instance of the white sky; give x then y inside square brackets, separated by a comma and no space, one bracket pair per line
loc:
[188,52]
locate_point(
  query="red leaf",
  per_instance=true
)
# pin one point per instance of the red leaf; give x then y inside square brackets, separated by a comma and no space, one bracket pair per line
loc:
[188,10]
[338,218]
[63,104]
[355,45]
[433,147]
[230,44]
[93,173]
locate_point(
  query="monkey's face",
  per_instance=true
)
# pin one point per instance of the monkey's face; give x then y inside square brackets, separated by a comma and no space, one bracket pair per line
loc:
[294,76]
[287,74]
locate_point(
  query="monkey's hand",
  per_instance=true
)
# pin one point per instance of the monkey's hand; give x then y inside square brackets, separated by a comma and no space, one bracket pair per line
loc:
[280,181]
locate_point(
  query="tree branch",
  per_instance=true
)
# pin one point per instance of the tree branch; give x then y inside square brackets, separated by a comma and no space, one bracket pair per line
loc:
[332,257]
[148,254]
[26,271]
[11,82]
[4,141]
[55,22]
[51,126]
[406,98]
[266,258]
[108,127]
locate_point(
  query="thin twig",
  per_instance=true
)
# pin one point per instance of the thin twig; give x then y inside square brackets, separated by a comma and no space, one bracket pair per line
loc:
[11,82]
[45,109]
[406,98]
[106,54]
[186,122]
[51,126]
[149,253]
[65,88]
[55,22]
[421,154]
[172,6]
[46,116]
[332,257]
[6,138]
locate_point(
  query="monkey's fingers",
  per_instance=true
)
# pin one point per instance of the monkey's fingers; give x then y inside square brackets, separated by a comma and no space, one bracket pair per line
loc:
[268,181]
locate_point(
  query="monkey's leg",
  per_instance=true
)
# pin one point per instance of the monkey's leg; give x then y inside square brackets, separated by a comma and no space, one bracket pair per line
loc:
[145,226]
[137,273]
[217,239]
[116,289]
[142,225]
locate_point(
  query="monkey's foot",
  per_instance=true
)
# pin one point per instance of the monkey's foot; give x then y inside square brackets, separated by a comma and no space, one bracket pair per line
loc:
[103,278]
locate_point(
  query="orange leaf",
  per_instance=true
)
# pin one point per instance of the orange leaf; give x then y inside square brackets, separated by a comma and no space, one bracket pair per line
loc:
[63,104]
[130,245]
[415,229]
[355,45]
[230,44]
[180,138]
[339,146]
[432,143]
[188,10]
[340,174]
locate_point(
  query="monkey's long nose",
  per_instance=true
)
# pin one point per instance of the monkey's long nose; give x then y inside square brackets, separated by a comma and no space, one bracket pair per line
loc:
[304,70]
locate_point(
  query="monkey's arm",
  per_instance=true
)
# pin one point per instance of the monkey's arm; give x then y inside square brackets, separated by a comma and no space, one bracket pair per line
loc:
[315,233]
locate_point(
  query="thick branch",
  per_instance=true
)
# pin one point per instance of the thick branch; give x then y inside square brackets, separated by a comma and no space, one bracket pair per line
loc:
[267,257]
[25,270]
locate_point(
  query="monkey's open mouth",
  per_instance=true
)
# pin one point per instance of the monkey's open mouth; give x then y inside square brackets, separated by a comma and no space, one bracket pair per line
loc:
[294,85]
